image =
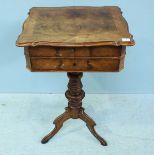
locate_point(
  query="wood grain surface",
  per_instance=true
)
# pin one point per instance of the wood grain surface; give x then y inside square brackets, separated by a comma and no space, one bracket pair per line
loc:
[75,26]
[77,59]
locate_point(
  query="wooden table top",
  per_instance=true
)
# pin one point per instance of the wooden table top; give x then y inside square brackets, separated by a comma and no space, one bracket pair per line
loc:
[75,27]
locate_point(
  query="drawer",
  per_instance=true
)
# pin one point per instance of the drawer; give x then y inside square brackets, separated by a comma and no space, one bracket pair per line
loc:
[48,51]
[58,64]
[70,64]
[104,64]
[44,64]
[106,51]
[40,51]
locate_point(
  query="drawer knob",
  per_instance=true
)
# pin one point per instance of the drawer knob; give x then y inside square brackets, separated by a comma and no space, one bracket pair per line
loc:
[74,64]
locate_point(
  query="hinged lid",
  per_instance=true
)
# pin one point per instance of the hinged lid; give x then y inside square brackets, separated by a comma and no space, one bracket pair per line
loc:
[75,26]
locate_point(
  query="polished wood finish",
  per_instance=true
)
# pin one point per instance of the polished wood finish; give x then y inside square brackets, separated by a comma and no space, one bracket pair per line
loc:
[75,40]
[79,59]
[74,94]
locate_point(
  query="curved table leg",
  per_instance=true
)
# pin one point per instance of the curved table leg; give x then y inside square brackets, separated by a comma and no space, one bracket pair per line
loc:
[58,124]
[74,94]
[90,124]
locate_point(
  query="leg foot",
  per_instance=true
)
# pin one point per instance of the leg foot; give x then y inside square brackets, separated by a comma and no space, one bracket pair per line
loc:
[58,124]
[90,124]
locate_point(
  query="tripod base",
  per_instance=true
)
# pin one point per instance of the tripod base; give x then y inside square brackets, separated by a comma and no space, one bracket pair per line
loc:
[70,113]
[74,94]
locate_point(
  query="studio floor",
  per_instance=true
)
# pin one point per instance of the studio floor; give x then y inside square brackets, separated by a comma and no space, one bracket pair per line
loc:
[125,121]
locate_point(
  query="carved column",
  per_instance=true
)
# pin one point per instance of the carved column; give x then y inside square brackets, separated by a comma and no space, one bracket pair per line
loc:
[75,93]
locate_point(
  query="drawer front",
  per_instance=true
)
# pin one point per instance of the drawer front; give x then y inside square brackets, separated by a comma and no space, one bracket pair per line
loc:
[47,51]
[79,59]
[40,51]
[104,64]
[44,64]
[106,51]
[101,64]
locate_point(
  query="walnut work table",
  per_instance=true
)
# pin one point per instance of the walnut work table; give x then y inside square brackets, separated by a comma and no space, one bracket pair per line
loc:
[75,40]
